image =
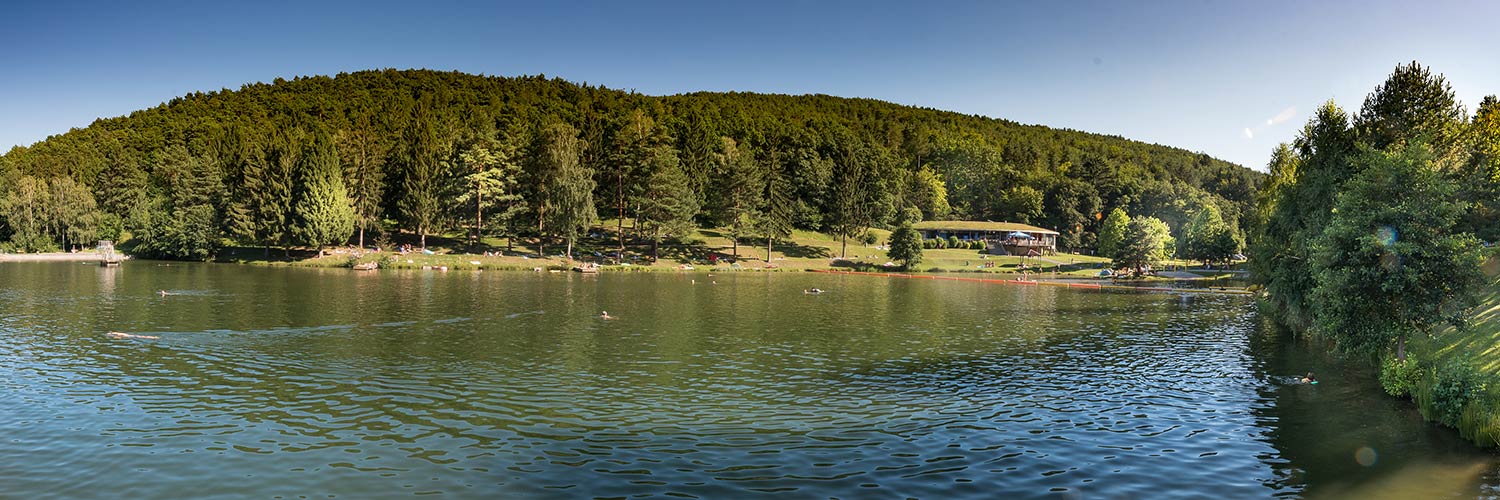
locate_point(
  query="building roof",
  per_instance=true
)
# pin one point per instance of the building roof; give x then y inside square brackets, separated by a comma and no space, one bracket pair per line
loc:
[972,225]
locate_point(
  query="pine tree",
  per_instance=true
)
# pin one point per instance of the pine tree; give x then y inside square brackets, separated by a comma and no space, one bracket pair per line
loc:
[778,204]
[324,213]
[262,210]
[739,190]
[363,158]
[668,204]
[422,173]
[487,180]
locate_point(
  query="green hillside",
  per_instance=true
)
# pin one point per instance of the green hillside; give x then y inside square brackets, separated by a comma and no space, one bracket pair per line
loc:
[421,152]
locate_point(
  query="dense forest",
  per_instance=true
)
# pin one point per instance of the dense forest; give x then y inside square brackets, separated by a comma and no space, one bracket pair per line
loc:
[321,160]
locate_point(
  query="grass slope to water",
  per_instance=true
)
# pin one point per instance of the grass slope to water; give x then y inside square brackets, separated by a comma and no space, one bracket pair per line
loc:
[1477,345]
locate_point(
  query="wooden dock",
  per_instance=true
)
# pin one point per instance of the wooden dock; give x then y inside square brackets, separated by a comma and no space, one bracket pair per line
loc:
[1066,284]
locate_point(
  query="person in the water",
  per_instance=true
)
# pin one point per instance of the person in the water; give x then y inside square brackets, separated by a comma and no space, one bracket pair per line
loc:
[123,335]
[1309,378]
[605,315]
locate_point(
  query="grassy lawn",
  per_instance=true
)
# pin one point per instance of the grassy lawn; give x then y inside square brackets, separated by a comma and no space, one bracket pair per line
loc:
[1478,344]
[1480,341]
[705,249]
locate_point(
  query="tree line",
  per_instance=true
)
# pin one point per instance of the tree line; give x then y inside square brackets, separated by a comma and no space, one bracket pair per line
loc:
[1368,231]
[320,161]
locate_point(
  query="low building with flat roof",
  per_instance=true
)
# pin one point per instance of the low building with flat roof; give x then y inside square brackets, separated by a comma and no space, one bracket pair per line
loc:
[1002,238]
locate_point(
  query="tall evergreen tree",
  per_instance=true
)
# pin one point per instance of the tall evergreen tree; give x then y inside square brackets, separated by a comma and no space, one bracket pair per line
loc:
[184,221]
[362,156]
[1302,212]
[1413,104]
[262,210]
[1479,183]
[740,192]
[324,213]
[630,153]
[668,204]
[778,203]
[489,178]
[422,171]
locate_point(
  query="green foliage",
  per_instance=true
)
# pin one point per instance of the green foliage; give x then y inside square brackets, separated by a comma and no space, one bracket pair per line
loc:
[775,215]
[905,246]
[844,165]
[44,215]
[362,156]
[861,199]
[485,179]
[324,213]
[930,194]
[668,204]
[1303,203]
[1400,378]
[1270,238]
[1388,265]
[1479,179]
[570,185]
[422,166]
[1112,233]
[1455,385]
[265,191]
[1145,243]
[1020,204]
[1208,238]
[740,186]
[183,218]
[1413,105]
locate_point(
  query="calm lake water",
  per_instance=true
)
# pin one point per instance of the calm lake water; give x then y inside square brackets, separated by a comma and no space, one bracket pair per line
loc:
[299,383]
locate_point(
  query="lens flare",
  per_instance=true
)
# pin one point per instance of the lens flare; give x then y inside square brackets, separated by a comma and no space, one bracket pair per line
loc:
[1387,235]
[1365,456]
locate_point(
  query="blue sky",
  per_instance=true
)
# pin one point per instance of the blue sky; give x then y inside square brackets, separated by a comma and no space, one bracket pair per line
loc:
[1228,78]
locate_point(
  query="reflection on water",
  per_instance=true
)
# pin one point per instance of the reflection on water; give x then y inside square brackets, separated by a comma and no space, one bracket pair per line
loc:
[293,382]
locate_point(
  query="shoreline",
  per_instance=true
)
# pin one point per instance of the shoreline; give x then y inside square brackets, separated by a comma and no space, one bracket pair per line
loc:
[52,257]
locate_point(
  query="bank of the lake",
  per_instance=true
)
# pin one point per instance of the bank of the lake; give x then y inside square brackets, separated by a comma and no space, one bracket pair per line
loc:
[1462,367]
[711,252]
[83,256]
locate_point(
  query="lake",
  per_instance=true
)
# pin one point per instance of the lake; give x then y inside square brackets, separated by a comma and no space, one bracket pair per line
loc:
[331,383]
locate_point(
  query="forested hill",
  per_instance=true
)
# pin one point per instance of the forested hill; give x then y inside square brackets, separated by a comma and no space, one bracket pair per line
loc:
[426,152]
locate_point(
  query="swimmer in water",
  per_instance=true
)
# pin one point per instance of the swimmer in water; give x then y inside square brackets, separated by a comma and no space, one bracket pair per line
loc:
[1309,378]
[164,293]
[813,291]
[605,315]
[123,335]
